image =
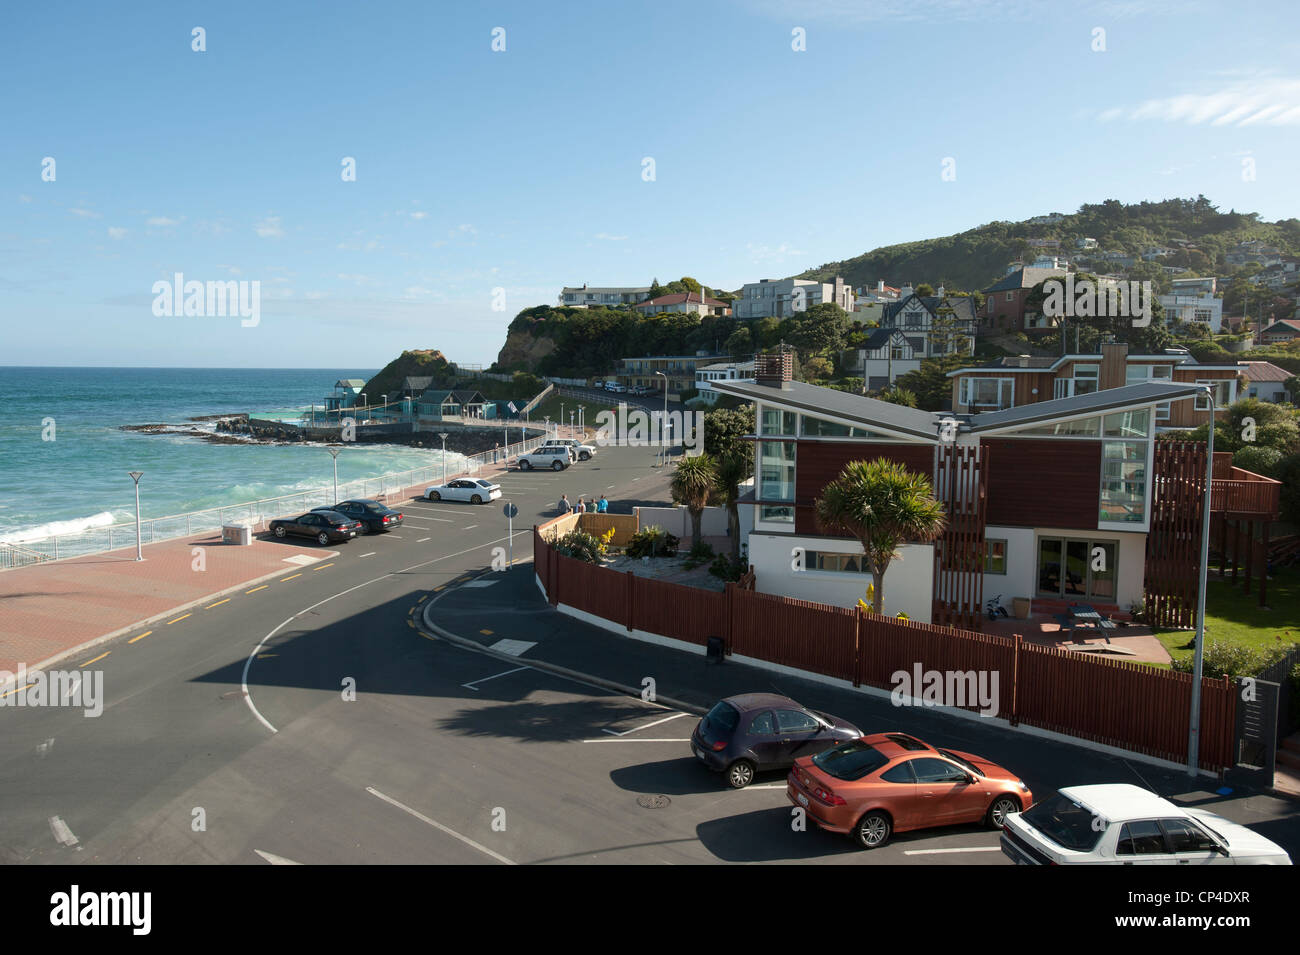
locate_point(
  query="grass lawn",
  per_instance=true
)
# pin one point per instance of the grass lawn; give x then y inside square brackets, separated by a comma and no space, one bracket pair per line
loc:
[1235,617]
[551,406]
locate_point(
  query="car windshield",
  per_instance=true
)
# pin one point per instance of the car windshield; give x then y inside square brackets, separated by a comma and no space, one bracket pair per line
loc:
[1065,822]
[484,484]
[724,716]
[850,760]
[964,763]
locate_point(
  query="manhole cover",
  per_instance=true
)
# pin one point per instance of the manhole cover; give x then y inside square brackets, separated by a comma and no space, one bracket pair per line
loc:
[652,802]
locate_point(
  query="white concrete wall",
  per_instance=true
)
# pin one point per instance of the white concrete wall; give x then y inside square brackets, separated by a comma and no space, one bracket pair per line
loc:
[677,520]
[1021,578]
[909,583]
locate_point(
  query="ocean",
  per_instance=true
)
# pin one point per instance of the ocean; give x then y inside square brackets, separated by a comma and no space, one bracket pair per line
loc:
[79,480]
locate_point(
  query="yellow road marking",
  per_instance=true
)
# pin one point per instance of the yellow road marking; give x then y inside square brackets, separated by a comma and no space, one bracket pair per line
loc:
[97,659]
[14,690]
[256,589]
[423,599]
[263,656]
[486,633]
[179,619]
[217,604]
[283,579]
[439,587]
[141,637]
[323,566]
[423,634]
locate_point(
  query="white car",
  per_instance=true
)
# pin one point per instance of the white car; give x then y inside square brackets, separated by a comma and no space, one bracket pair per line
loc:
[474,490]
[583,451]
[1122,824]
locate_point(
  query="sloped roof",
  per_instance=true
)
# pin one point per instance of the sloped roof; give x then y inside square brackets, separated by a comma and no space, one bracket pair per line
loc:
[350,383]
[1027,277]
[417,383]
[963,307]
[1265,371]
[1290,323]
[678,298]
[1098,402]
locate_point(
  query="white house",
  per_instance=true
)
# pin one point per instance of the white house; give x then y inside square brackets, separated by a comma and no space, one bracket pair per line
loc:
[784,297]
[721,371]
[1193,300]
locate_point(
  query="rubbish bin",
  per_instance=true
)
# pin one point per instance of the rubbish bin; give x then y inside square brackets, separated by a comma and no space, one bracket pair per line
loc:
[239,534]
[1020,605]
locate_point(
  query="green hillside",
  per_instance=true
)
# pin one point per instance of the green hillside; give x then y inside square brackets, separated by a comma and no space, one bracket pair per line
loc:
[977,258]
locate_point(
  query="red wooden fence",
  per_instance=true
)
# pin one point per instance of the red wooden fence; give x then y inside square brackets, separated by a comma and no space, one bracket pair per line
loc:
[1114,702]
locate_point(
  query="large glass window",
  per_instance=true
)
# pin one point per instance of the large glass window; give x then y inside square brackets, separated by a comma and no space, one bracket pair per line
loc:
[987,392]
[1123,482]
[776,463]
[1077,568]
[1225,392]
[842,563]
[1080,427]
[776,421]
[821,428]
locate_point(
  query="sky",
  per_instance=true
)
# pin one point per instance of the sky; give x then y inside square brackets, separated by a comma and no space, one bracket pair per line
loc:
[605,143]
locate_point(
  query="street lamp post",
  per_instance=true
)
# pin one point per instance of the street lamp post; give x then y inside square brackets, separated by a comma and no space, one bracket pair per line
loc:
[548,424]
[135,476]
[1194,724]
[561,421]
[334,450]
[444,458]
[664,423]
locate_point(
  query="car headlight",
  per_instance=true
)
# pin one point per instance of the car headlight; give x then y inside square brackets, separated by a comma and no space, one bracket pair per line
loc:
[1021,784]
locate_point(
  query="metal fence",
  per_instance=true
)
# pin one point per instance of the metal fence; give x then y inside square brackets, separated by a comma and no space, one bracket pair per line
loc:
[97,540]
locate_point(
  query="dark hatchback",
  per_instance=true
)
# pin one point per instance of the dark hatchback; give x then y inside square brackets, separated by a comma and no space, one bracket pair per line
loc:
[744,735]
[327,527]
[374,517]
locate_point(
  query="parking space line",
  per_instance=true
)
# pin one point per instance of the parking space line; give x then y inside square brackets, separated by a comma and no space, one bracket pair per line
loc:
[638,739]
[937,852]
[647,726]
[471,686]
[439,826]
[423,539]
[371,554]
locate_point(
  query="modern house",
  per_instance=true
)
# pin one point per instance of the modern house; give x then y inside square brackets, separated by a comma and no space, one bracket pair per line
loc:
[785,297]
[441,405]
[345,394]
[1193,302]
[911,330]
[693,302]
[706,375]
[591,297]
[1004,301]
[1014,382]
[678,369]
[1071,499]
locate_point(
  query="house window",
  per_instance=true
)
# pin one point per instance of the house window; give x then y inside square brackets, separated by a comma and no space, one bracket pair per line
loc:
[995,556]
[776,421]
[1074,569]
[1084,382]
[776,469]
[1011,296]
[837,563]
[912,319]
[898,351]
[1140,373]
[987,392]
[1225,392]
[821,428]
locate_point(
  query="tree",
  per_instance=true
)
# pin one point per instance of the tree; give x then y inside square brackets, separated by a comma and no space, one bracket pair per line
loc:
[898,396]
[930,383]
[818,368]
[924,289]
[818,329]
[724,433]
[689,283]
[693,483]
[740,344]
[883,505]
[732,470]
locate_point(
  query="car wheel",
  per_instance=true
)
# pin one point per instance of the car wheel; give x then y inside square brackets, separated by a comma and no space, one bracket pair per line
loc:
[1002,807]
[363,529]
[280,532]
[476,499]
[435,496]
[873,830]
[584,456]
[322,538]
[525,466]
[740,774]
[557,466]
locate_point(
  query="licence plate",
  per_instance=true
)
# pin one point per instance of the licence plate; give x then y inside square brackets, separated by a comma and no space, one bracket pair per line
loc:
[803,800]
[699,753]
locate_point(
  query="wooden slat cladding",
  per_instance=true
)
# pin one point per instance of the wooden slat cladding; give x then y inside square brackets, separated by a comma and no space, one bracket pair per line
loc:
[1047,483]
[961,484]
[1174,541]
[817,463]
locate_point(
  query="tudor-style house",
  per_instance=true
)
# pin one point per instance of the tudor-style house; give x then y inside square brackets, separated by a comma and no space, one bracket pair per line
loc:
[912,329]
[1064,500]
[1013,382]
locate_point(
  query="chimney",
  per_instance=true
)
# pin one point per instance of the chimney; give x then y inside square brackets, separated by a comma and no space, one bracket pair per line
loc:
[939,292]
[1022,361]
[775,369]
[880,285]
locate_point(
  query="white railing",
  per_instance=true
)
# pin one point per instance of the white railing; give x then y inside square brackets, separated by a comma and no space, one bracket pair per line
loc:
[386,487]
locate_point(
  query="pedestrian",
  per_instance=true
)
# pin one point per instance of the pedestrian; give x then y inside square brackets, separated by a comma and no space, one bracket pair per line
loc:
[496,450]
[603,506]
[565,507]
[582,505]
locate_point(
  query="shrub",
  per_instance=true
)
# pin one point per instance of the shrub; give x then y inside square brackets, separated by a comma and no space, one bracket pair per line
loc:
[1288,472]
[723,566]
[652,541]
[1258,459]
[581,545]
[701,553]
[1233,660]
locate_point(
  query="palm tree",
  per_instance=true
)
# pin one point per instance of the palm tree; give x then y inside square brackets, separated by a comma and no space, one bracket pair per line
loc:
[693,483]
[883,505]
[731,470]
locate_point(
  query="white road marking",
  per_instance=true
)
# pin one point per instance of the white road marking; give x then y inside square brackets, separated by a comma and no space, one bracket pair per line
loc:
[302,560]
[471,686]
[371,554]
[62,834]
[470,528]
[440,827]
[647,726]
[768,786]
[423,539]
[636,739]
[937,852]
[513,647]
[45,747]
[274,859]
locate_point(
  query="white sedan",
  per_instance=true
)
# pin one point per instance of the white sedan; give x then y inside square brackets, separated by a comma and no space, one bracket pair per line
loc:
[1122,824]
[474,490]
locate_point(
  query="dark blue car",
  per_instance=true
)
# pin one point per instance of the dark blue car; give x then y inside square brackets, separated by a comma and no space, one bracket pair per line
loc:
[744,735]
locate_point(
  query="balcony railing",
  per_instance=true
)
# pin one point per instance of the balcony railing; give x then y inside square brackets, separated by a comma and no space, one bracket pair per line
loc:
[1238,491]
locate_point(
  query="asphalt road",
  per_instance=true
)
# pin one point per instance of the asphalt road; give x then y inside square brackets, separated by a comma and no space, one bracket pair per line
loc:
[360,740]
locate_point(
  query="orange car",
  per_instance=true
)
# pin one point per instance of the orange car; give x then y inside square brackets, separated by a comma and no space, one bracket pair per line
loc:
[875,786]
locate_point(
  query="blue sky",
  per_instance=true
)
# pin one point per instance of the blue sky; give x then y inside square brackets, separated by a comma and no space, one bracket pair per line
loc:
[522,169]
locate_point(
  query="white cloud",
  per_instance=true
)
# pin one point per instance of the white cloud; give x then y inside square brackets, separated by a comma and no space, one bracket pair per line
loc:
[114,232]
[1259,100]
[84,213]
[766,253]
[162,221]
[419,215]
[269,228]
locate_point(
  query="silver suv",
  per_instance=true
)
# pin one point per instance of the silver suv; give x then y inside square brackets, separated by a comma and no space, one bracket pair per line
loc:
[557,457]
